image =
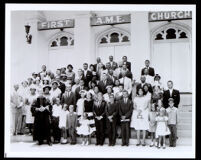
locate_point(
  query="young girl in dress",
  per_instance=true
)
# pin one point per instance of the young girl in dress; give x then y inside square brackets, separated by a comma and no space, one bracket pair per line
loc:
[62,124]
[152,124]
[161,127]
[84,129]
[80,103]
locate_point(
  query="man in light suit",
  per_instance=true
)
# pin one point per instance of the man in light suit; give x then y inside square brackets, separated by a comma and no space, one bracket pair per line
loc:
[112,63]
[126,82]
[151,71]
[171,93]
[68,98]
[71,124]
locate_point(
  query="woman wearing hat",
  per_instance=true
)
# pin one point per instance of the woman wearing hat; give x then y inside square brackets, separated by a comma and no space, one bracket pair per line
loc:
[32,96]
[46,91]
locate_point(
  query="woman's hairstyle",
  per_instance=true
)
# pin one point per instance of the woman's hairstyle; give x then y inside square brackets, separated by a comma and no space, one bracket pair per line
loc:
[141,88]
[70,66]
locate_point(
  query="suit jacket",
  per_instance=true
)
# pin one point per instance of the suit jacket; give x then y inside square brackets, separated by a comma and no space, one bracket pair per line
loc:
[71,100]
[113,66]
[113,79]
[127,84]
[71,120]
[151,71]
[175,96]
[128,64]
[102,86]
[77,90]
[112,109]
[99,110]
[88,78]
[126,109]
[128,74]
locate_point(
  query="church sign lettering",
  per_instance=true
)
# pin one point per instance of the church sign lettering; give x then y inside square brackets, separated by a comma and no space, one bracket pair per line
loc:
[107,20]
[68,23]
[172,15]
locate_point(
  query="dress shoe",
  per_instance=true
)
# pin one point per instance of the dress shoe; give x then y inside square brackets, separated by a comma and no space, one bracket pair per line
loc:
[138,144]
[127,145]
[143,144]
[122,144]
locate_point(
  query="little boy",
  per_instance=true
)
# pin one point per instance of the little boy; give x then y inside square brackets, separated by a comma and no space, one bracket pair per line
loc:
[71,124]
[56,110]
[172,113]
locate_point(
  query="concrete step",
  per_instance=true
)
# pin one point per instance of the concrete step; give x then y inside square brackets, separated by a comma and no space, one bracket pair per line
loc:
[184,126]
[184,114]
[186,99]
[184,133]
[185,120]
[180,141]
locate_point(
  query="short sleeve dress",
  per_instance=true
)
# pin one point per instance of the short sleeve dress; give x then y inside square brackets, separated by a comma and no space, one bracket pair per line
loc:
[161,129]
[140,123]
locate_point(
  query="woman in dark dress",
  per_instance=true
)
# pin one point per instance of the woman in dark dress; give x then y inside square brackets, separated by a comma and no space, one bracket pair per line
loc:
[88,109]
[42,110]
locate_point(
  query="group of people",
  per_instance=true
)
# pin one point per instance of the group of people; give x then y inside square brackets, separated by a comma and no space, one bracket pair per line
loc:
[101,100]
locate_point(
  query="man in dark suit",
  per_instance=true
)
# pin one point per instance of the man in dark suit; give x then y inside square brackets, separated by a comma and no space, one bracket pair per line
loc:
[111,119]
[78,89]
[112,63]
[128,64]
[125,112]
[111,76]
[99,114]
[150,69]
[171,93]
[125,70]
[87,75]
[68,98]
[104,83]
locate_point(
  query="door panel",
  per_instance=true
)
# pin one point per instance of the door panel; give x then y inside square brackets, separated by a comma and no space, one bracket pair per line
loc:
[120,51]
[162,61]
[180,65]
[104,52]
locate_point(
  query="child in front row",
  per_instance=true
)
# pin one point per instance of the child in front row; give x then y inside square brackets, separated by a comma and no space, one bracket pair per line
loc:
[62,124]
[84,129]
[161,127]
[152,124]
[172,114]
[71,124]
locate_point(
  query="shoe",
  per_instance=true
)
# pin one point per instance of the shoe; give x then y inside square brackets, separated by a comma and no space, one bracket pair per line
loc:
[159,146]
[97,144]
[113,144]
[152,144]
[170,145]
[143,144]
[87,143]
[138,144]
[127,145]
[83,143]
[122,144]
[50,143]
[109,144]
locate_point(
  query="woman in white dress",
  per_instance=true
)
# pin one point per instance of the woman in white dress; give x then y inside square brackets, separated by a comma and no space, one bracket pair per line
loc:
[139,119]
[80,103]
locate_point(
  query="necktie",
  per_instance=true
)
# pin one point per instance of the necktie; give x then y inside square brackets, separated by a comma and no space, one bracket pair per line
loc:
[170,93]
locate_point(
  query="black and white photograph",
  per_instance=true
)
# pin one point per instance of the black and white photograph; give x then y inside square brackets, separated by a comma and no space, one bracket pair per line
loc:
[100,81]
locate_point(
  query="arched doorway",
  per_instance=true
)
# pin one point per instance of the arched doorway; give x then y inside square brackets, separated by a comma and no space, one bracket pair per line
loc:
[61,48]
[114,41]
[171,55]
